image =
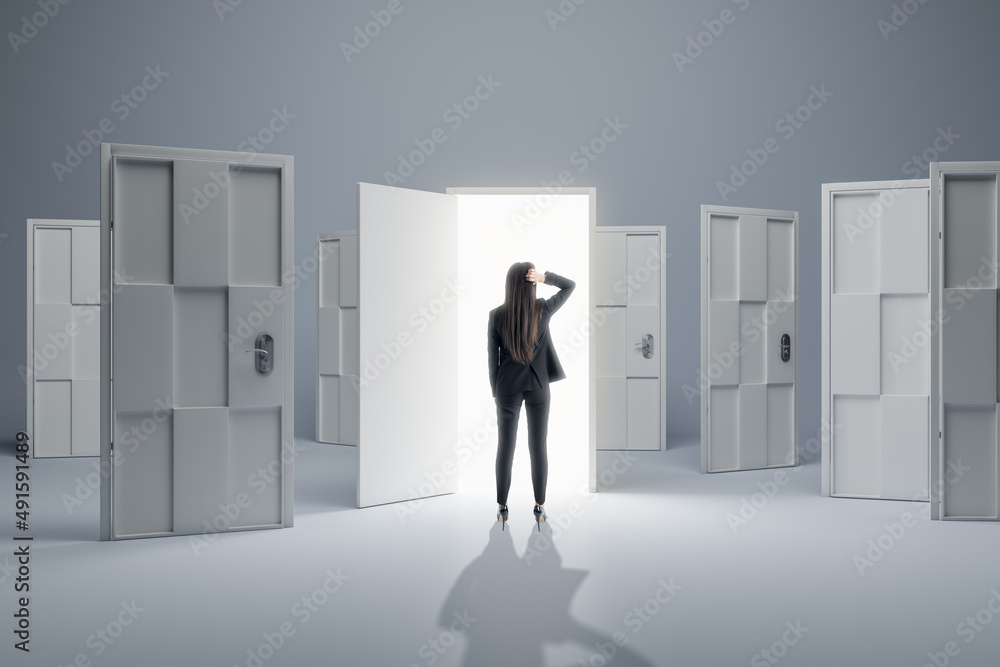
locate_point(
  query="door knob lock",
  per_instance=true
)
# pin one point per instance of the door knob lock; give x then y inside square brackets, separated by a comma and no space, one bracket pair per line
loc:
[647,346]
[263,352]
[786,347]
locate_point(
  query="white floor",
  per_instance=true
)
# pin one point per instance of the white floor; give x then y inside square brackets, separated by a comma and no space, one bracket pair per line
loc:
[651,571]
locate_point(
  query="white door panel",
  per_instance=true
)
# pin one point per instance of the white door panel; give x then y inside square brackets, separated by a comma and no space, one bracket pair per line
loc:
[630,386]
[337,338]
[612,422]
[643,413]
[612,342]
[400,420]
[749,366]
[610,277]
[724,342]
[63,337]
[876,340]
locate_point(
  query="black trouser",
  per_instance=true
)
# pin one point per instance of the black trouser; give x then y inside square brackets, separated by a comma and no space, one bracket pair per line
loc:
[536,404]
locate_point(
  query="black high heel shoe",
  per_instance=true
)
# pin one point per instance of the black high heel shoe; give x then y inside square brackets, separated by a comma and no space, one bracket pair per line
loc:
[502,517]
[540,515]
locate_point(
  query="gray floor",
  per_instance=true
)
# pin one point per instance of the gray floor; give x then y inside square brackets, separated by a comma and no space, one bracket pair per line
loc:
[653,571]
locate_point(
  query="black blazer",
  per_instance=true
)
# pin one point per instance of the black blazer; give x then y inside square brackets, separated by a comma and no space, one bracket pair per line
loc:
[509,377]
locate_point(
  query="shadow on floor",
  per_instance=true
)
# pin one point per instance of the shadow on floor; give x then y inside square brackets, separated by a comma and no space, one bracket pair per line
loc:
[508,607]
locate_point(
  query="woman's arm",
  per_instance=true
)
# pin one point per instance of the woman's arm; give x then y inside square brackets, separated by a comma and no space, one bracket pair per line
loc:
[565,285]
[493,351]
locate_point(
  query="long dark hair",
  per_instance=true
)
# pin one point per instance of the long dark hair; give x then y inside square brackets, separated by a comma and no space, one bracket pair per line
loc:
[520,314]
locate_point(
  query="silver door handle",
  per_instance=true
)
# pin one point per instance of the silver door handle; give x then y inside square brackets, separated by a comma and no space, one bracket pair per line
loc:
[264,351]
[647,346]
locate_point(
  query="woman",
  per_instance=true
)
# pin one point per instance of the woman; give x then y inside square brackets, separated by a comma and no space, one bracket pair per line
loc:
[522,362]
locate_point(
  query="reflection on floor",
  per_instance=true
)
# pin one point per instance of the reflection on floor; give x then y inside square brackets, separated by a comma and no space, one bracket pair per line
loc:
[665,567]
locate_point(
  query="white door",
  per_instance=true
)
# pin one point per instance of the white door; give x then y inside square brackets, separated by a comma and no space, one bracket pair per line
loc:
[337,363]
[749,291]
[629,291]
[197,254]
[62,374]
[965,460]
[430,267]
[408,253]
[876,340]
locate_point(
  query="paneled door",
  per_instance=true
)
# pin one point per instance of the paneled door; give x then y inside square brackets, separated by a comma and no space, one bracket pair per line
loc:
[337,363]
[876,337]
[629,286]
[749,291]
[62,372]
[196,375]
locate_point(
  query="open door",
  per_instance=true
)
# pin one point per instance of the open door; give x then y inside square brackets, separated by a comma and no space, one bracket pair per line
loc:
[196,422]
[408,335]
[62,374]
[876,340]
[429,268]
[964,200]
[749,325]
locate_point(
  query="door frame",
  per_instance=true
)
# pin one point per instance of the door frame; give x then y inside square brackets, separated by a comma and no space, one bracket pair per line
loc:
[661,232]
[707,210]
[34,224]
[592,306]
[829,190]
[109,153]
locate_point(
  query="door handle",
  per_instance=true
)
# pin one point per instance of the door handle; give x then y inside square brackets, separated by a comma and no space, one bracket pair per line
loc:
[647,346]
[786,347]
[263,352]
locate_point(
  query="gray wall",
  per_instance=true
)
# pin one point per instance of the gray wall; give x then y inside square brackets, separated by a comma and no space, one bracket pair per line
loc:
[686,129]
